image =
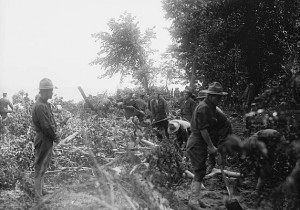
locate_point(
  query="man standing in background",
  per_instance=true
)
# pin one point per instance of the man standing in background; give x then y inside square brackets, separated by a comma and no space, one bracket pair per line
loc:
[4,103]
[160,112]
[188,105]
[247,99]
[45,127]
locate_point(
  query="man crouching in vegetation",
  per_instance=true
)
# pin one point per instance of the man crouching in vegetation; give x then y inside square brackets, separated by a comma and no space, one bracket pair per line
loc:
[45,127]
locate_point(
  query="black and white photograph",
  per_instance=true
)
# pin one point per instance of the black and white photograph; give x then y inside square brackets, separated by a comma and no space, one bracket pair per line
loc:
[150,104]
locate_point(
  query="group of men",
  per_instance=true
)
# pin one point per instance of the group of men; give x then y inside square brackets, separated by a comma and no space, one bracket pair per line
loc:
[205,132]
[204,128]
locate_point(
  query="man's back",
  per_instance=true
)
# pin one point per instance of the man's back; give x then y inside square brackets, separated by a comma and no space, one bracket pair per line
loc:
[4,103]
[159,107]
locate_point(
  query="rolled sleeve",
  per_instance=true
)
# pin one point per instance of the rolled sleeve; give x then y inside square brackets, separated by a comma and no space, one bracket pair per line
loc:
[203,118]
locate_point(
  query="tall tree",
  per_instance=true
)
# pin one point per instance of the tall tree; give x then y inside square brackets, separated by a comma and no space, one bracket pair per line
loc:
[125,50]
[170,70]
[229,38]
[185,31]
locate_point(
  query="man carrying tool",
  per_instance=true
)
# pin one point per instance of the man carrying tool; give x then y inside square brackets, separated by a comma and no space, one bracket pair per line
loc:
[4,103]
[160,112]
[200,143]
[188,105]
[223,128]
[45,127]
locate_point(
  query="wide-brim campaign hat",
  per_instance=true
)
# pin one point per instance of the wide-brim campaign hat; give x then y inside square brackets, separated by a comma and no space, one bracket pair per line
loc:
[187,89]
[201,95]
[215,88]
[173,127]
[46,83]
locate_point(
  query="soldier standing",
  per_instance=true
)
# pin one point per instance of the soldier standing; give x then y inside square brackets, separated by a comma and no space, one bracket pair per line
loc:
[160,111]
[45,127]
[4,104]
[188,105]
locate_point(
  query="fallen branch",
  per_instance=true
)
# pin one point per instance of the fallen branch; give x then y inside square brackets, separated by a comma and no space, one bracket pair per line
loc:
[63,169]
[148,143]
[214,172]
[227,173]
[105,129]
[68,138]
[145,148]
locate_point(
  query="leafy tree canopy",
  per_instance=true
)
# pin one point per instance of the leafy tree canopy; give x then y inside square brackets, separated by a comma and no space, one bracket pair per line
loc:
[125,49]
[234,41]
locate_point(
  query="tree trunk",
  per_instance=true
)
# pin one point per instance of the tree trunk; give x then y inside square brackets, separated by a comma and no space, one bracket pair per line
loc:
[146,84]
[193,76]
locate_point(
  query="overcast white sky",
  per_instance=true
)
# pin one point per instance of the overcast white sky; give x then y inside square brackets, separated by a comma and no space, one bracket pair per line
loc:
[52,38]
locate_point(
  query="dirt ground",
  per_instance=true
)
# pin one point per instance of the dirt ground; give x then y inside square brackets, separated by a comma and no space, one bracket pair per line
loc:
[81,197]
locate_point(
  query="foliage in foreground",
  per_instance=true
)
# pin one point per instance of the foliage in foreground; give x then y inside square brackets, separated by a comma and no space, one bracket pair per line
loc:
[101,145]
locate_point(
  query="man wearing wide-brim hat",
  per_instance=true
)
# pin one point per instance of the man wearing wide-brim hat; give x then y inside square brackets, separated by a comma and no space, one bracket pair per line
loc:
[200,143]
[187,105]
[222,129]
[201,96]
[181,129]
[45,127]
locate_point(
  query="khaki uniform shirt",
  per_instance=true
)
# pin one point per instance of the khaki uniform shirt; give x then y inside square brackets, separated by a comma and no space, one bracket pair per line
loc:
[187,108]
[43,121]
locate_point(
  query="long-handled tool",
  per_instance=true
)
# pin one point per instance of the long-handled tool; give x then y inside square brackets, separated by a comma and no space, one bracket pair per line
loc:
[230,203]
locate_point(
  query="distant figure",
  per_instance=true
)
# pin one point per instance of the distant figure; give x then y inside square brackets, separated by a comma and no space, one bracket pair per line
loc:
[160,112]
[176,93]
[26,99]
[247,99]
[37,97]
[27,103]
[188,105]
[296,88]
[45,127]
[4,104]
[141,103]
[131,108]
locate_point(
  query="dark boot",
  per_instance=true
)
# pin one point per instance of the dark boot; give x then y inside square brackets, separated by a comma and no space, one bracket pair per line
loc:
[194,202]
